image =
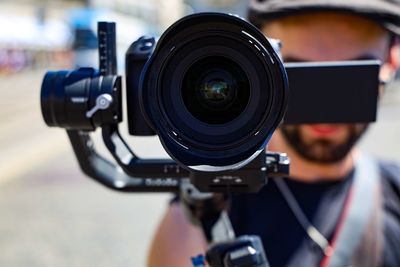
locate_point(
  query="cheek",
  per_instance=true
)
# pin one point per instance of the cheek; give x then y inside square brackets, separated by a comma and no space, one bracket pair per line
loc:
[387,72]
[344,131]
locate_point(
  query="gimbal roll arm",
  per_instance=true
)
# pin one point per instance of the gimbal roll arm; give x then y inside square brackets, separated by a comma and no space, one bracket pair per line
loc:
[133,175]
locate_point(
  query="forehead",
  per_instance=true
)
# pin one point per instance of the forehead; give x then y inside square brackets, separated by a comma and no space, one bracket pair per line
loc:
[328,36]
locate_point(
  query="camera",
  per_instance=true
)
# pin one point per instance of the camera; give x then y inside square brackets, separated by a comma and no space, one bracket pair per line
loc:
[212,88]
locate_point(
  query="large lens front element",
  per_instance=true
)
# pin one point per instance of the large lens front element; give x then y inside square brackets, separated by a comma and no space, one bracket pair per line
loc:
[215,90]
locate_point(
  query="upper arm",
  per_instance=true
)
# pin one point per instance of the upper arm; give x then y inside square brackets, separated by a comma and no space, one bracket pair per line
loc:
[391,193]
[175,241]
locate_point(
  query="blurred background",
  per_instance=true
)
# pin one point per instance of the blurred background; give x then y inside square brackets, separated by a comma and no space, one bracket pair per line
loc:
[50,213]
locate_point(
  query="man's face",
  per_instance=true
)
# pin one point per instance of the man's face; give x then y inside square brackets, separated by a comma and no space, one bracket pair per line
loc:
[327,37]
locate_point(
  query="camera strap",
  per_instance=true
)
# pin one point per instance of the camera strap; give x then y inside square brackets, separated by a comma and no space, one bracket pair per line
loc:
[363,201]
[358,224]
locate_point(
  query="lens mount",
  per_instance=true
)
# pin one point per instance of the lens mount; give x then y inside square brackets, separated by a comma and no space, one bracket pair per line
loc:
[214,90]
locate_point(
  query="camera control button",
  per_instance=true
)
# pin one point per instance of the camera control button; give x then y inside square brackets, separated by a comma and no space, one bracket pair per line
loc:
[102,102]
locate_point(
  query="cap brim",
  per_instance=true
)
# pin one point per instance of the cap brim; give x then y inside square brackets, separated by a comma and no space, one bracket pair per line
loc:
[384,13]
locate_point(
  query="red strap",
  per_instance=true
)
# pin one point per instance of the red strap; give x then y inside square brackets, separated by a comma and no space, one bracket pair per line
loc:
[345,211]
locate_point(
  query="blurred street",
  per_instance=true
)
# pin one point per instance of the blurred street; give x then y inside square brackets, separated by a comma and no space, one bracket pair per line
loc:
[51,214]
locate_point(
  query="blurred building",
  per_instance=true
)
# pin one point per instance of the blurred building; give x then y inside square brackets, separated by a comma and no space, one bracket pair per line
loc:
[39,36]
[237,7]
[44,31]
[48,33]
[158,14]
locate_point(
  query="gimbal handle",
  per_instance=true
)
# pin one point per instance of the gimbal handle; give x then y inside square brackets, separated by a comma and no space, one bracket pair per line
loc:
[132,174]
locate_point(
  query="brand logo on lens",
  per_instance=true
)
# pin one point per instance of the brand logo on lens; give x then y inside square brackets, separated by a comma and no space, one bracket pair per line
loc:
[161,182]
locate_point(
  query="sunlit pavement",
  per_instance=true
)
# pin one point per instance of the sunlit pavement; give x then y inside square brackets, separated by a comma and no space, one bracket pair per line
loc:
[56,217]
[52,215]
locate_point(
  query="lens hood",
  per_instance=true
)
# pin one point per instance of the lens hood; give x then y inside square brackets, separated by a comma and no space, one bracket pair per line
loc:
[214,90]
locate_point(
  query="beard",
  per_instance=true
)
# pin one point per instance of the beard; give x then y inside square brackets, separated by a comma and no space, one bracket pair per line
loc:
[322,150]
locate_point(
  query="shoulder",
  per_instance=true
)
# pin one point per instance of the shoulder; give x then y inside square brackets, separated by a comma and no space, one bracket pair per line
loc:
[390,173]
[390,181]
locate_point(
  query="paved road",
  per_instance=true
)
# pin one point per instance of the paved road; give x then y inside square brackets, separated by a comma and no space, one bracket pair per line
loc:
[51,215]
[383,137]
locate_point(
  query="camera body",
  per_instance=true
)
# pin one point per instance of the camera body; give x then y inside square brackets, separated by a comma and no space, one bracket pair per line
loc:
[249,178]
[136,57]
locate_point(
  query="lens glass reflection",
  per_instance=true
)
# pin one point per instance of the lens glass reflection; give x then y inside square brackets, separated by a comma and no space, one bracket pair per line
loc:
[215,90]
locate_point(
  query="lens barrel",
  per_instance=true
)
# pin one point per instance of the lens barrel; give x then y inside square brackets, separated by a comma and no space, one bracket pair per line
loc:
[215,90]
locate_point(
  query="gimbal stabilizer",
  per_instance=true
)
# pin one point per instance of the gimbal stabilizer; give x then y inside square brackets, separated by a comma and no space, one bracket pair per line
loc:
[85,99]
[163,175]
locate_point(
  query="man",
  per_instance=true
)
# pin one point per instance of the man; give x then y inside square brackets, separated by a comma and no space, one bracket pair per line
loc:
[322,155]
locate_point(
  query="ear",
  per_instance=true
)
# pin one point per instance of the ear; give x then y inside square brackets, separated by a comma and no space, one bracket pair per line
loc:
[388,69]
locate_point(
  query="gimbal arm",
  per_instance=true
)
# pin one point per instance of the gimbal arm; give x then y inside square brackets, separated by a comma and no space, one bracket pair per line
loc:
[135,175]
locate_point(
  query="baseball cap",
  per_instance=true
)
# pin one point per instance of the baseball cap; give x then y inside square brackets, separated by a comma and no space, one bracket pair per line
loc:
[384,12]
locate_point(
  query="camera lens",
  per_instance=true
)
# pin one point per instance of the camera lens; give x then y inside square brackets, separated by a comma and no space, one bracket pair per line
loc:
[215,90]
